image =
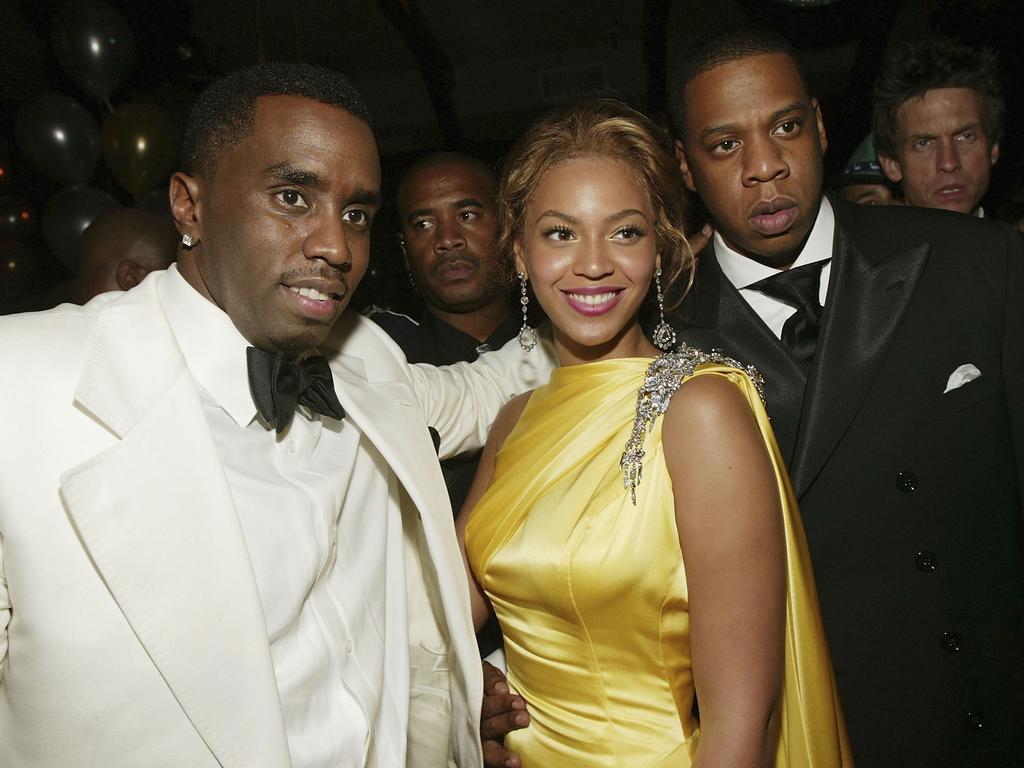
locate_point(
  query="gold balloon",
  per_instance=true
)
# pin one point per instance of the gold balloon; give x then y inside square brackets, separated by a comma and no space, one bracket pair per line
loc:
[140,145]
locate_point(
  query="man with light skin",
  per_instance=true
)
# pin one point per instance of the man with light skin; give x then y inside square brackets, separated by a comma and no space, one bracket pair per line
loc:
[937,121]
[224,536]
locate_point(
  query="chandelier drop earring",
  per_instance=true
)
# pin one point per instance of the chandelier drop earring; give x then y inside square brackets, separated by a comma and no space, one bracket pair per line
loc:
[408,270]
[527,336]
[188,241]
[664,336]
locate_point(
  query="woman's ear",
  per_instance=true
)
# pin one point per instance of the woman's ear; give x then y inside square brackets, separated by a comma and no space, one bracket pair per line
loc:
[517,257]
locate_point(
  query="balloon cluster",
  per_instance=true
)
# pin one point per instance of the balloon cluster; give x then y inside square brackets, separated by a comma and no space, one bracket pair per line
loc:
[61,138]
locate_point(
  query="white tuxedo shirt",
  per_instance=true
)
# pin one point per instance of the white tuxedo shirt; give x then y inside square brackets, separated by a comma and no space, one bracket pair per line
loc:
[131,631]
[319,573]
[742,271]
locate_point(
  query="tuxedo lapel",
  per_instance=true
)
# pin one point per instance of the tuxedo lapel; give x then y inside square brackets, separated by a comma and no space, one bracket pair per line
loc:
[157,518]
[715,314]
[387,415]
[869,291]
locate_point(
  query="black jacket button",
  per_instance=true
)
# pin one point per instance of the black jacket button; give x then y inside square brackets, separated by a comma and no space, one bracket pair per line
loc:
[951,642]
[925,561]
[906,482]
[975,722]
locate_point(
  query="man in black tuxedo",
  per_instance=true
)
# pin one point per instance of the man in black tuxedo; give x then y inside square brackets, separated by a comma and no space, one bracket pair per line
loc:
[892,345]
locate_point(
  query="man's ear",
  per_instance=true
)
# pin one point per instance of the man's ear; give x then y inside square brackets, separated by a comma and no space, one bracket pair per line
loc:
[684,166]
[820,122]
[993,154]
[129,274]
[891,167]
[185,193]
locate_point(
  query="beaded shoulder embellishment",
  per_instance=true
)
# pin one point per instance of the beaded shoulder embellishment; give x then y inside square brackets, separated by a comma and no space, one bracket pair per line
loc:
[664,375]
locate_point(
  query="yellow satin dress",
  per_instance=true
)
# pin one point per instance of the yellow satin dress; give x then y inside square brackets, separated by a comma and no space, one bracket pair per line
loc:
[590,589]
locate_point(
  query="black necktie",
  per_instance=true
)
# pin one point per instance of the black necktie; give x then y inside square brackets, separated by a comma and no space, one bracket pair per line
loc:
[799,288]
[277,385]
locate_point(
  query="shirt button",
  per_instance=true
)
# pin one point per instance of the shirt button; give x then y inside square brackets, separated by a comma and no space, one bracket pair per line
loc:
[348,647]
[951,642]
[925,561]
[906,482]
[292,447]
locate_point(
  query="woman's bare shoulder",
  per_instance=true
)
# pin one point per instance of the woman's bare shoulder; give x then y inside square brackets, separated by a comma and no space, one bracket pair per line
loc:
[712,397]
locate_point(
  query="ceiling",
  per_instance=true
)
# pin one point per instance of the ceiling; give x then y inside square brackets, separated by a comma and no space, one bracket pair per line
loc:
[476,72]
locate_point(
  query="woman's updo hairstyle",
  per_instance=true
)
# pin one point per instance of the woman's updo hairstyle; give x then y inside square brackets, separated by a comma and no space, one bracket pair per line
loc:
[603,128]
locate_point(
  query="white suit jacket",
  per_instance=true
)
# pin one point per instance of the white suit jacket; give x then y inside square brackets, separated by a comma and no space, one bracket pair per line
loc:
[131,631]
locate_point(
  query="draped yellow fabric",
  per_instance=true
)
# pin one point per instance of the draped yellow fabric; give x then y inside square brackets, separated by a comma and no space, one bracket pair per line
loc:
[591,590]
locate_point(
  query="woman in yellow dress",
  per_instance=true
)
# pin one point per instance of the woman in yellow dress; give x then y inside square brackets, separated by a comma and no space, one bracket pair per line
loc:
[631,522]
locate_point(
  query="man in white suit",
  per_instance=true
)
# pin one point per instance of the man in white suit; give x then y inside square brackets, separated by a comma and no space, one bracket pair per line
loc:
[198,568]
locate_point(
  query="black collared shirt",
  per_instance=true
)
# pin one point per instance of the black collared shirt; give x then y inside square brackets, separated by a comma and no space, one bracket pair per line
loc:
[440,343]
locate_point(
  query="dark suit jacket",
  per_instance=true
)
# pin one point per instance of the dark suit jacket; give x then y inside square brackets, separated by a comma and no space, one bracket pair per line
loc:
[911,498]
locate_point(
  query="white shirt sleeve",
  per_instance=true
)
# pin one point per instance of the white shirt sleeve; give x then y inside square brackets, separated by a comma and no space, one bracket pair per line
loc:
[461,401]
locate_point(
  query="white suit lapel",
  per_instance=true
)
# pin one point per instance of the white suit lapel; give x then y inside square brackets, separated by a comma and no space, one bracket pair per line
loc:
[156,515]
[386,413]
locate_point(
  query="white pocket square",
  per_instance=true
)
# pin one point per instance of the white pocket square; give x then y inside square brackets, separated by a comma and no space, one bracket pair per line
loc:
[961,376]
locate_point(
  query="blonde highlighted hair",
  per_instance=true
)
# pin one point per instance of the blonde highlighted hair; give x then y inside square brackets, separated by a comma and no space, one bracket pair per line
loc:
[609,129]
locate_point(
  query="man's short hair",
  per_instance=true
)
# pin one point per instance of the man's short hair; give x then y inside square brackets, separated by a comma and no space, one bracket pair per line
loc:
[223,115]
[721,48]
[448,157]
[911,69]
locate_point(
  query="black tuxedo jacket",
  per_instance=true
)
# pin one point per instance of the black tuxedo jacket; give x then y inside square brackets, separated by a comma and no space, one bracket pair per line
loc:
[910,495]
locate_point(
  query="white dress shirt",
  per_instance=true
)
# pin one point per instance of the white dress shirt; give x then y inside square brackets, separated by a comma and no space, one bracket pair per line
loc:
[322,575]
[743,271]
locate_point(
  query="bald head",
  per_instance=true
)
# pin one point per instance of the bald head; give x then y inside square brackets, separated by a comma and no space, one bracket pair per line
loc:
[120,248]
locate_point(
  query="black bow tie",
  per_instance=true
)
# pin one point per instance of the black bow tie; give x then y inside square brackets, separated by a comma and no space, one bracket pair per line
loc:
[277,385]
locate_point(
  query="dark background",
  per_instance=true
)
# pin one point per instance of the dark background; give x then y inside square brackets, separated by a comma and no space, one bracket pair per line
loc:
[469,74]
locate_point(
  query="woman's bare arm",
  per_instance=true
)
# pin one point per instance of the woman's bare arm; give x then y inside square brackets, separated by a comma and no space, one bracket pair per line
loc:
[500,430]
[731,534]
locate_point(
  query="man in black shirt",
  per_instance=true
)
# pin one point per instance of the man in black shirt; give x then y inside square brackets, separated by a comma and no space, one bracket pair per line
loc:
[446,208]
